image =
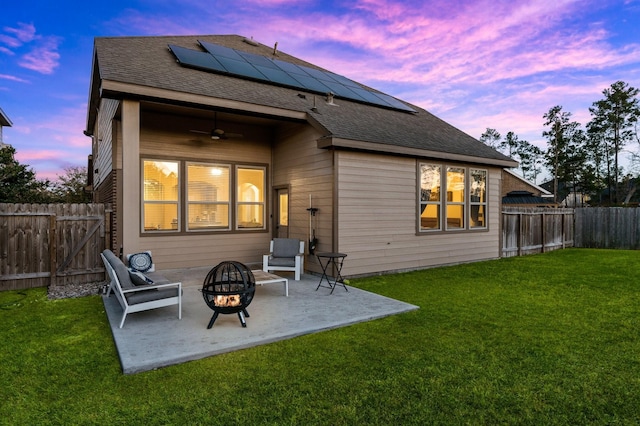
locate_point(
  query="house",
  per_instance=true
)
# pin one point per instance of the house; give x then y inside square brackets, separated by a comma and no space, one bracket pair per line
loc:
[573,195]
[207,147]
[4,122]
[519,192]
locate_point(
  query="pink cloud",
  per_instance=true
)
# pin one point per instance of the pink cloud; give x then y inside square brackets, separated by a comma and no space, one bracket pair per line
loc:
[481,42]
[9,41]
[13,78]
[17,36]
[29,155]
[43,58]
[25,32]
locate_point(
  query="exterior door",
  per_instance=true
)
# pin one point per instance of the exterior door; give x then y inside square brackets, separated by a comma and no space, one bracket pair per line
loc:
[282,213]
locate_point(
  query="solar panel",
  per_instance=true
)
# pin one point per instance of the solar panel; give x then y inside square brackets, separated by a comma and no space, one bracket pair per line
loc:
[217,50]
[195,59]
[289,67]
[241,64]
[278,76]
[242,68]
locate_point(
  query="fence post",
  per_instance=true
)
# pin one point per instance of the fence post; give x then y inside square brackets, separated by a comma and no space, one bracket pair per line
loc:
[543,225]
[562,231]
[519,240]
[53,241]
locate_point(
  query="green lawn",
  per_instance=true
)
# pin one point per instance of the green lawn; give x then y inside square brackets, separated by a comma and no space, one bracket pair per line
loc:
[545,339]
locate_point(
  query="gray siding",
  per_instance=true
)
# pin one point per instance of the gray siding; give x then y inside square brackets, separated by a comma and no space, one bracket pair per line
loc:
[307,171]
[377,219]
[104,138]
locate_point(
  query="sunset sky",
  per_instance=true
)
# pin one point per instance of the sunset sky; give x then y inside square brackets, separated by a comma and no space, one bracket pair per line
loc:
[473,63]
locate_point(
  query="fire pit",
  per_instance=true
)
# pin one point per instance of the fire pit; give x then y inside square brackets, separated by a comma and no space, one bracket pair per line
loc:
[228,289]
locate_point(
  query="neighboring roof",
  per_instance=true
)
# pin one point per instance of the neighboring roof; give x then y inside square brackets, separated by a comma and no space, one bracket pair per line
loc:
[4,120]
[543,191]
[144,67]
[525,197]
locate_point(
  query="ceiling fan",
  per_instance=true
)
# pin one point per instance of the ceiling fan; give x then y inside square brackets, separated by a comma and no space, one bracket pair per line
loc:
[217,133]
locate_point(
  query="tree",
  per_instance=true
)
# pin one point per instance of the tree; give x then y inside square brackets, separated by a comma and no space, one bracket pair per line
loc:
[70,187]
[530,159]
[510,143]
[528,155]
[491,138]
[563,138]
[614,117]
[18,183]
[599,155]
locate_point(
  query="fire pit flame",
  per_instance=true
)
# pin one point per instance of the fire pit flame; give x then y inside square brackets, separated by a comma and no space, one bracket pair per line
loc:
[225,301]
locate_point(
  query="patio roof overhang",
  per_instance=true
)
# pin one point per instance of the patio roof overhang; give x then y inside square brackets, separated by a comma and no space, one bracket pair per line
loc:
[120,90]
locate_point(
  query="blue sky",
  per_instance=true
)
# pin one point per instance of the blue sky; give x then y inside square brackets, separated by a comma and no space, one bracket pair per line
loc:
[473,63]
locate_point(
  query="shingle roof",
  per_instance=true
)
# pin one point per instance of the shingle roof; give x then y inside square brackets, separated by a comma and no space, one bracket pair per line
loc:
[147,61]
[4,120]
[525,197]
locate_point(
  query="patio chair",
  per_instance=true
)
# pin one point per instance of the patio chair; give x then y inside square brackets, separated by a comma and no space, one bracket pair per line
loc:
[285,254]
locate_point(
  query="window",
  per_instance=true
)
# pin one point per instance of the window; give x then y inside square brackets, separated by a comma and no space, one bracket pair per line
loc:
[478,198]
[452,198]
[160,195]
[187,196]
[250,198]
[455,198]
[430,176]
[208,196]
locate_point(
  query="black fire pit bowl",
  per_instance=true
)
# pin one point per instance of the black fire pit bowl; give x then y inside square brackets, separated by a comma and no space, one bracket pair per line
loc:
[228,289]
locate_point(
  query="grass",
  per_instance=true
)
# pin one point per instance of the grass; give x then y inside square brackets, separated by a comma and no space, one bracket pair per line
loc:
[545,339]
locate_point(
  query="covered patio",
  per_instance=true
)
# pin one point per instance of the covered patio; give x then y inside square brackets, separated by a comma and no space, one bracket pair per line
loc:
[156,338]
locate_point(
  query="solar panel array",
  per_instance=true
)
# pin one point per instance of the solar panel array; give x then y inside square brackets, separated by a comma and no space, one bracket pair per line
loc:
[224,60]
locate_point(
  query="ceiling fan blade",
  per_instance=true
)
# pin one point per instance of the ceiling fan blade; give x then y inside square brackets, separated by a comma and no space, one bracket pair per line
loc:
[234,135]
[200,131]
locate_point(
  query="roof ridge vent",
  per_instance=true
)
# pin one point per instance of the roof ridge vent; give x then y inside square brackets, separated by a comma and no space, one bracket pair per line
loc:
[250,41]
[330,97]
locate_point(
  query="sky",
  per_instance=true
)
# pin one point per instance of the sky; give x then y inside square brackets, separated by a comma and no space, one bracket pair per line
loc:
[476,64]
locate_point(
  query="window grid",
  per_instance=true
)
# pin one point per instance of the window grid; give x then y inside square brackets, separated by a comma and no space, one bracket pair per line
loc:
[477,198]
[451,197]
[250,196]
[200,198]
[160,196]
[429,196]
[208,196]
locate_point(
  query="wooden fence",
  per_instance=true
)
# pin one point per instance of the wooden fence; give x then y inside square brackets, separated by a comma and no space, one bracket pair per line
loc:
[536,230]
[608,227]
[51,244]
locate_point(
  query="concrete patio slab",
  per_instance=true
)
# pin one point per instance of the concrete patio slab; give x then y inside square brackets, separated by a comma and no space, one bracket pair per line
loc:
[156,338]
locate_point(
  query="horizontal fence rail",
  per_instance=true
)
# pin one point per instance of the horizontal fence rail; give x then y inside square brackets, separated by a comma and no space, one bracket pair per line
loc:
[51,244]
[536,230]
